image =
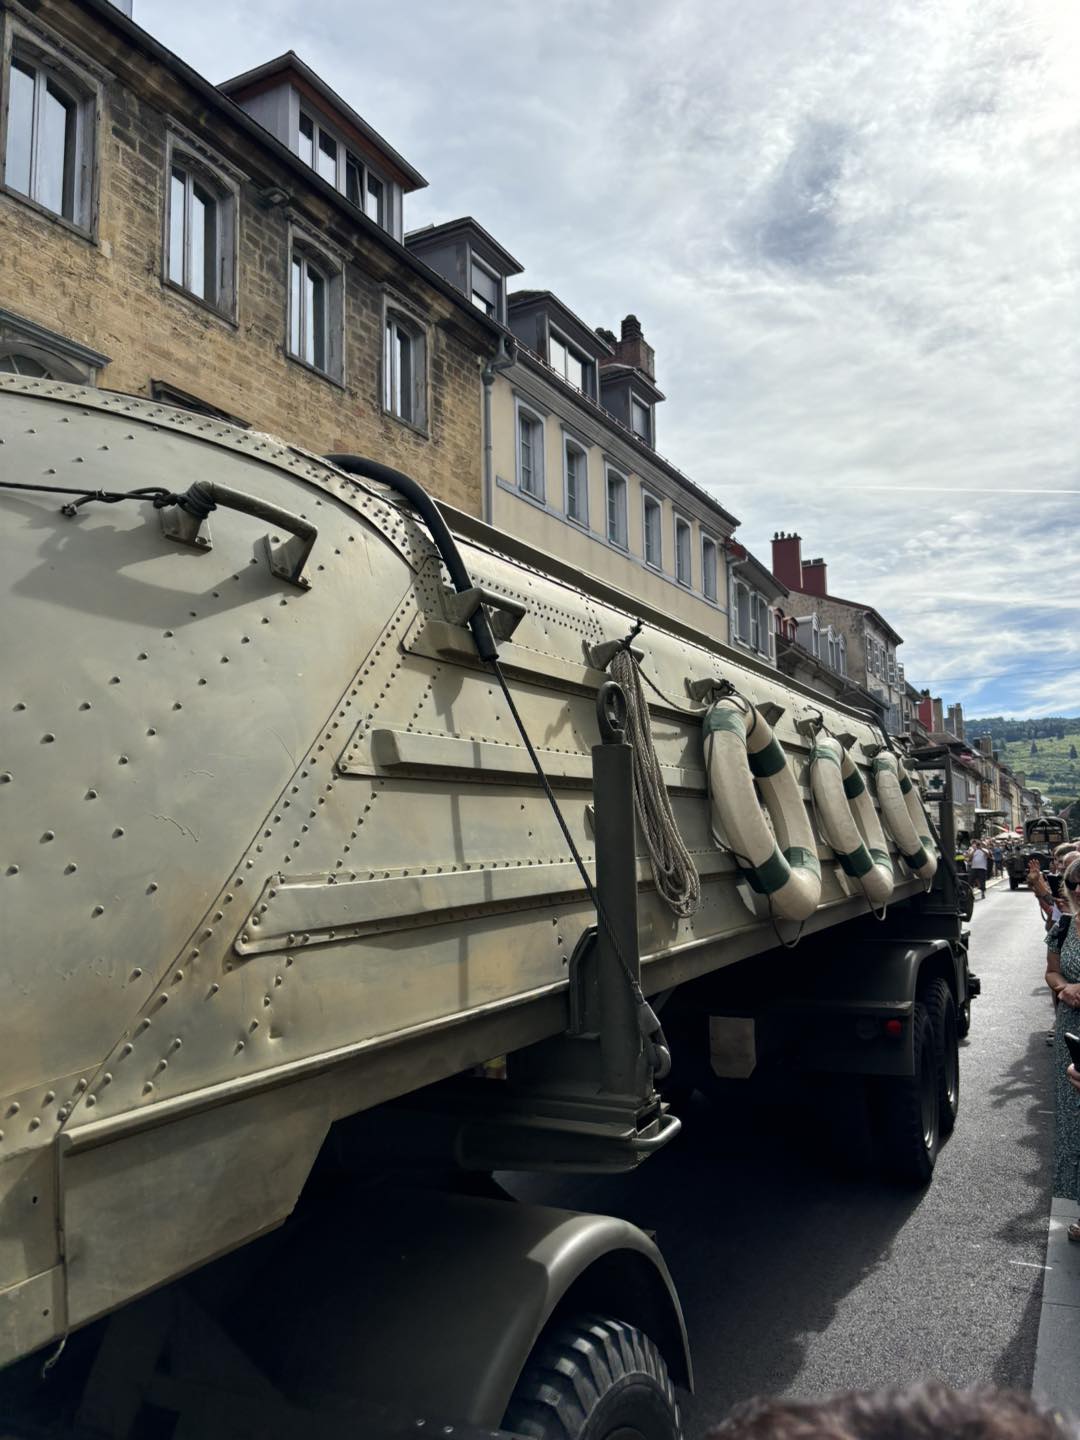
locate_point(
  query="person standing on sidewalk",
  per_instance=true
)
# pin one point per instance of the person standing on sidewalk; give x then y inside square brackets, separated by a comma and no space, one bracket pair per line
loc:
[1063,978]
[999,858]
[978,861]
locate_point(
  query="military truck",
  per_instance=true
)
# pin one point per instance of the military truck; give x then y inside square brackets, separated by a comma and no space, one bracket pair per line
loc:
[324,903]
[1041,837]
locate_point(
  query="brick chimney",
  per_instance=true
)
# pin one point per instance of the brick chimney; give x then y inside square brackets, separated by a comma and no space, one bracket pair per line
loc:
[956,721]
[815,577]
[631,348]
[787,560]
[986,745]
[939,719]
[926,710]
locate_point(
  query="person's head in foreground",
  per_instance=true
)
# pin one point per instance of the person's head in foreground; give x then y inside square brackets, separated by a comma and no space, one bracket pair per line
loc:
[929,1411]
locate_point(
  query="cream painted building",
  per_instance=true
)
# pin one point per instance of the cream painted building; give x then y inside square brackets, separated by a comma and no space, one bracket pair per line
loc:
[571,464]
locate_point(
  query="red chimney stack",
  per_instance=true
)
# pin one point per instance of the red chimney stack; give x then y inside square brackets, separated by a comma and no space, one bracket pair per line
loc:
[787,560]
[815,577]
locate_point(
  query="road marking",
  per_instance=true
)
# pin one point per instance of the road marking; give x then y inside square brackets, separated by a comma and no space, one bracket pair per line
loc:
[1030,1265]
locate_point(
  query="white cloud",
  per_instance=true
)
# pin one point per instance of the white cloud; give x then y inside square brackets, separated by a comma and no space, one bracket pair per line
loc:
[849,228]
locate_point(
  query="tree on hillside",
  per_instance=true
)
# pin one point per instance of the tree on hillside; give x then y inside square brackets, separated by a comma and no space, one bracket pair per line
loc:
[1034,749]
[1072,752]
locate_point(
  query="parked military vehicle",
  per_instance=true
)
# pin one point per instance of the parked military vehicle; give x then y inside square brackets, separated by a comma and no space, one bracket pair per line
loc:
[322,902]
[1041,838]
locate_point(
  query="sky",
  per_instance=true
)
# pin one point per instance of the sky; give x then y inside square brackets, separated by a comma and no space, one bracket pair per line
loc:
[850,229]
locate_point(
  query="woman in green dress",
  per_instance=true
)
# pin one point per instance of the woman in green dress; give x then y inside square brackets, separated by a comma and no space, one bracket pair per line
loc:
[1063,978]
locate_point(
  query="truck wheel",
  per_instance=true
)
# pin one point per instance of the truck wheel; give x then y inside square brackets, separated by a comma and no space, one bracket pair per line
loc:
[594,1379]
[963,1020]
[910,1133]
[941,1007]
[1014,883]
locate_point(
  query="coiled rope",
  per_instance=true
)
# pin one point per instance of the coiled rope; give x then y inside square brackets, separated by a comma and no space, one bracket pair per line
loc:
[673,866]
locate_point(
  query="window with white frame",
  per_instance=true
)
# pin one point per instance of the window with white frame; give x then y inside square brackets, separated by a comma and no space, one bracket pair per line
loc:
[405,369]
[328,155]
[641,419]
[815,637]
[50,136]
[740,611]
[485,287]
[709,568]
[571,364]
[841,655]
[576,468]
[616,508]
[365,189]
[652,520]
[315,309]
[684,540]
[200,232]
[530,453]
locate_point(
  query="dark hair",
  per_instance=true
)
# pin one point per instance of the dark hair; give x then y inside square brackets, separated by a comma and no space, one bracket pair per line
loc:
[928,1411]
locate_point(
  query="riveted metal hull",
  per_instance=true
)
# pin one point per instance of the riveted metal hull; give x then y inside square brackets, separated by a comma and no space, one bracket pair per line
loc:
[271,854]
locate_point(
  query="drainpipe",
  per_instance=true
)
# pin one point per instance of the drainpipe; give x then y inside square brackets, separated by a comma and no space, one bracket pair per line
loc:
[503,360]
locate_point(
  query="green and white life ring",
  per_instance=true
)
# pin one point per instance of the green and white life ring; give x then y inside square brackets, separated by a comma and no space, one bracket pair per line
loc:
[904,823]
[836,785]
[743,757]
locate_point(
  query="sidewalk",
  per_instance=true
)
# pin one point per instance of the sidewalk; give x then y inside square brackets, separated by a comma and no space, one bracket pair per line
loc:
[1056,1380]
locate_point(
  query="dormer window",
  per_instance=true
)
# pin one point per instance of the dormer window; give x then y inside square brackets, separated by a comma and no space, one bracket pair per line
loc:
[569,363]
[641,420]
[485,288]
[365,189]
[338,166]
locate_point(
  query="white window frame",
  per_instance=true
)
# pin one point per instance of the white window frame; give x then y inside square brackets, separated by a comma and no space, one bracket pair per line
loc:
[621,541]
[571,445]
[197,164]
[303,246]
[344,153]
[682,523]
[587,386]
[75,79]
[537,487]
[740,591]
[705,541]
[383,204]
[399,324]
[651,502]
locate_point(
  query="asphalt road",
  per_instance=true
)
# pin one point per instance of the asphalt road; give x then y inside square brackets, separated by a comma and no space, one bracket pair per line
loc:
[798,1281]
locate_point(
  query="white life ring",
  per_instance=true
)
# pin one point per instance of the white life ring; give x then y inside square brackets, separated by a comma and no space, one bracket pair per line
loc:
[866,817]
[917,811]
[833,781]
[916,851]
[740,749]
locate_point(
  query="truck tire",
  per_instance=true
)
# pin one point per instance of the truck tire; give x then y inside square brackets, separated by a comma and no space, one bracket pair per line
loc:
[594,1379]
[941,1007]
[963,1020]
[909,1134]
[1014,883]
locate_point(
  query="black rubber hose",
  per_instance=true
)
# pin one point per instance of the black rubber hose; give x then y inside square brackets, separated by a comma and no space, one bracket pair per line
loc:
[432,517]
[446,545]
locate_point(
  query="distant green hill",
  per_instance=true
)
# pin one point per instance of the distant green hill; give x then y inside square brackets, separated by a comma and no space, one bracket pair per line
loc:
[1051,769]
[1045,727]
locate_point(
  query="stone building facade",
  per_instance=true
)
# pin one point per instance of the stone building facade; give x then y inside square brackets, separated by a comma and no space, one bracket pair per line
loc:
[157,238]
[869,643]
[571,463]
